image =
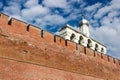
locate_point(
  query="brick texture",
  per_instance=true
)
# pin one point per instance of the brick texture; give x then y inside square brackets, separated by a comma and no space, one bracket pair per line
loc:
[27,71]
[68,61]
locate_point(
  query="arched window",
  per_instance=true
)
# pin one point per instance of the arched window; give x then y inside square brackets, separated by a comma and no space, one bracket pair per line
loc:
[89,44]
[81,39]
[72,37]
[96,47]
[102,50]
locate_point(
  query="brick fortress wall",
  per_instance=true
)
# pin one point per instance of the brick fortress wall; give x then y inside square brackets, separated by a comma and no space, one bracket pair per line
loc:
[27,43]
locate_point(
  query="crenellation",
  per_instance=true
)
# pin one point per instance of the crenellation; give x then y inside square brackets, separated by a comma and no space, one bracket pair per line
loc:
[60,41]
[66,42]
[4,16]
[105,57]
[101,55]
[98,54]
[117,61]
[85,51]
[89,52]
[41,33]
[52,49]
[48,37]
[54,38]
[4,19]
[81,49]
[77,46]
[71,45]
[114,60]
[111,59]
[28,27]
[94,54]
[34,32]
[10,21]
[21,27]
[32,28]
[108,58]
[19,21]
[17,27]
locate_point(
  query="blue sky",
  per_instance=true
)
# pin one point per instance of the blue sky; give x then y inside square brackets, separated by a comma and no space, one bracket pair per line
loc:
[51,15]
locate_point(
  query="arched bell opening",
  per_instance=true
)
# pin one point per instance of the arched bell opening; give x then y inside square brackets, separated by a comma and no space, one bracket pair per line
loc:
[89,44]
[96,47]
[102,50]
[72,37]
[81,40]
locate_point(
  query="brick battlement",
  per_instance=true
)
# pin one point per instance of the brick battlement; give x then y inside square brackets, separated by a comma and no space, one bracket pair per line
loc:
[51,50]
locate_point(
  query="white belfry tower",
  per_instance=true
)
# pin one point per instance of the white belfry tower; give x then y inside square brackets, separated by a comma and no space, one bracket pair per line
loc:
[81,36]
[84,27]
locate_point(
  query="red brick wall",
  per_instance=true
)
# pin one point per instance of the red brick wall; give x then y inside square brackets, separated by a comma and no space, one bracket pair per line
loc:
[15,70]
[17,42]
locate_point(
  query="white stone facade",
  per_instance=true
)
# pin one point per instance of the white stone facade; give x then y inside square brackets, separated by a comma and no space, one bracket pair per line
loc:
[81,36]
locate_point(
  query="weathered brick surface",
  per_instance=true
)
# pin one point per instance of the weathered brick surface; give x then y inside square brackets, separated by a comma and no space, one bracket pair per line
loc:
[15,70]
[52,51]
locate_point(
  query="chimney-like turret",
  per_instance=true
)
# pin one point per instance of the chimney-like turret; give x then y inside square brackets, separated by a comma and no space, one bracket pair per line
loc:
[84,27]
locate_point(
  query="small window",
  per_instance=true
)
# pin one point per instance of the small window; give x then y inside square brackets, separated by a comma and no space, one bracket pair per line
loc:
[72,37]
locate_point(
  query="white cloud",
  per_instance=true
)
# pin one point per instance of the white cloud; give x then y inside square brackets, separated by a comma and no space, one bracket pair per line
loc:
[113,6]
[55,3]
[13,8]
[113,14]
[51,20]
[34,12]
[93,7]
[101,12]
[31,3]
[54,19]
